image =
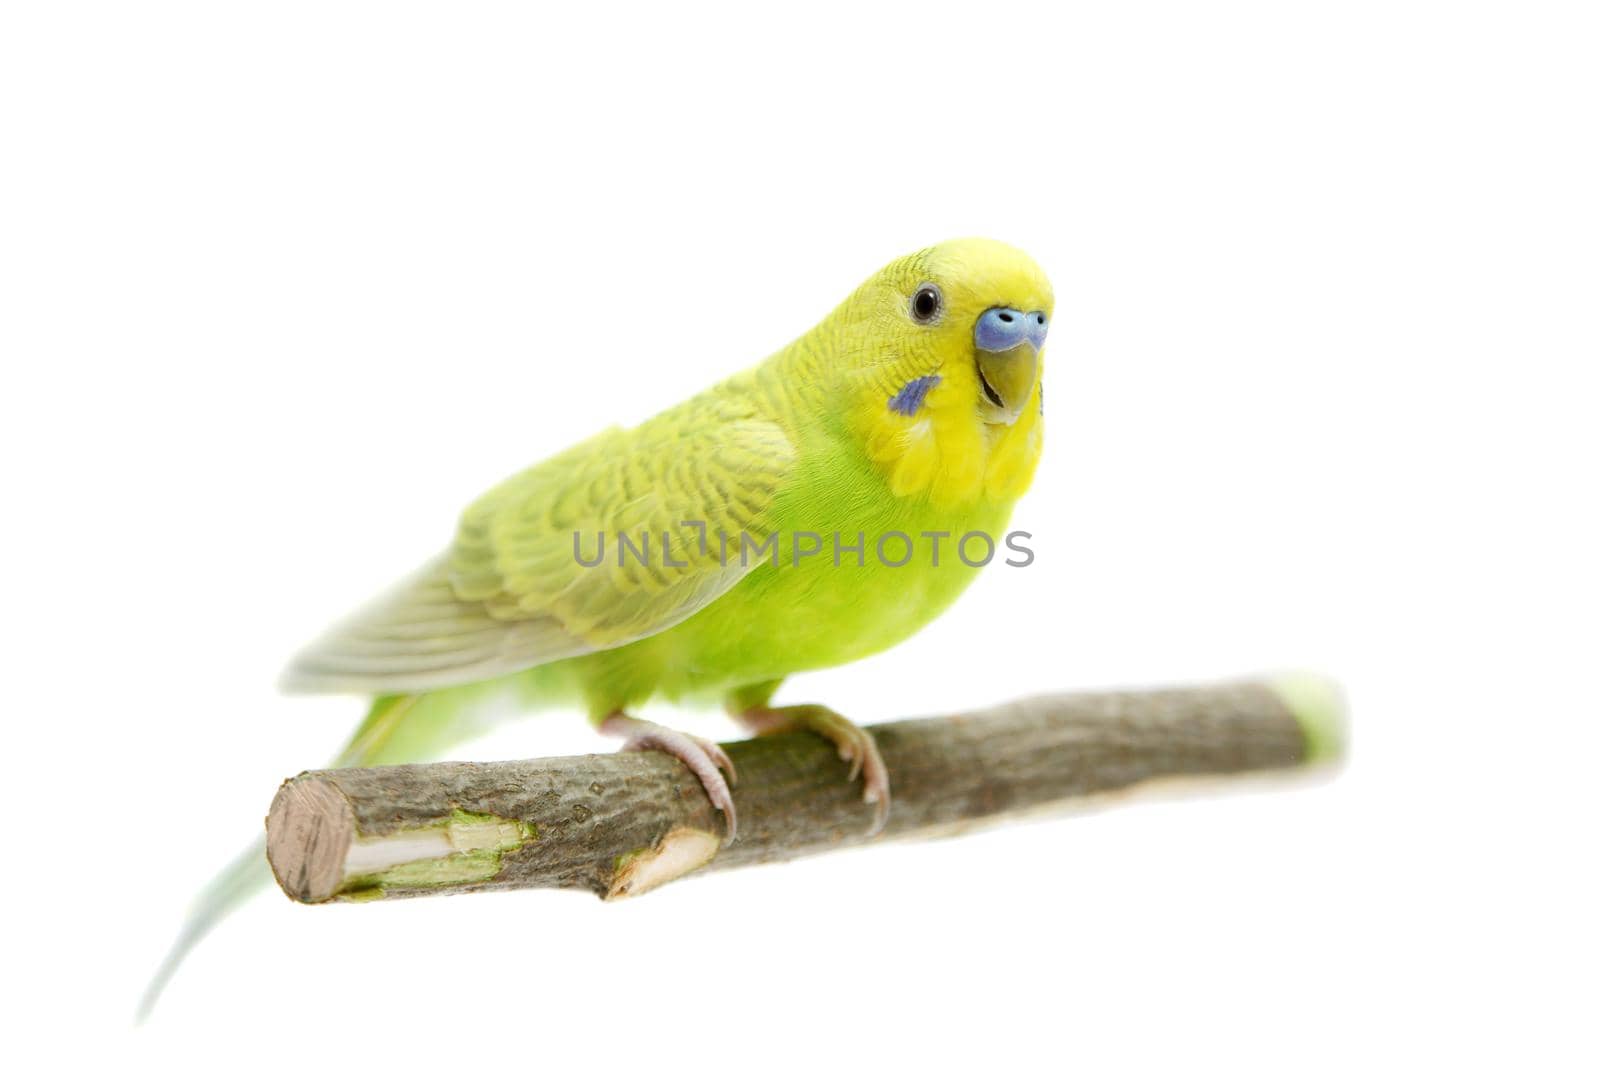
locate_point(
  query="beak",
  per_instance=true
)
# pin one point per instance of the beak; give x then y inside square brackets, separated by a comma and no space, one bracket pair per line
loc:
[1007,344]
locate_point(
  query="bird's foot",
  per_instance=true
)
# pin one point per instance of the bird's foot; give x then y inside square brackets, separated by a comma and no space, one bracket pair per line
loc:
[705,758]
[855,746]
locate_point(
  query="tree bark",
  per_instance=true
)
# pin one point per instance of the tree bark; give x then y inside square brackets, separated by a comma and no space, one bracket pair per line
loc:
[624,823]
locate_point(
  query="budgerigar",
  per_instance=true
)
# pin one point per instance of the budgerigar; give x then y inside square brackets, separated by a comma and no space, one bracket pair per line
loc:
[787,519]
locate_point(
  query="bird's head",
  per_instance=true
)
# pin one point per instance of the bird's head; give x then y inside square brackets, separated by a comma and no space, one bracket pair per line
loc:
[942,356]
[976,313]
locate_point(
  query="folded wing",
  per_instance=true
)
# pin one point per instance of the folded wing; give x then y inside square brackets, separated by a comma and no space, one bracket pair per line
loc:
[516,588]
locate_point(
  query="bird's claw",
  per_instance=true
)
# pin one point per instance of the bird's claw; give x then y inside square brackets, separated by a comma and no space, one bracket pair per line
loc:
[854,745]
[706,759]
[718,757]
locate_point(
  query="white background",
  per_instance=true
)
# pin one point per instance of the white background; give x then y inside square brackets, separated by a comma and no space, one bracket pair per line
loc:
[286,286]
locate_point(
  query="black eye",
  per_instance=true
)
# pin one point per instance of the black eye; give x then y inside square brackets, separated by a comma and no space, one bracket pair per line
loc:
[926,304]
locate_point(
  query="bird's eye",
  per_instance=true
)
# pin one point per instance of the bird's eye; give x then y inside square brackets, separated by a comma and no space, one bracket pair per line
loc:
[926,304]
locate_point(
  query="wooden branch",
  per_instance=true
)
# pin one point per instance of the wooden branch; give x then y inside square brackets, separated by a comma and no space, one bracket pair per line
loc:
[625,823]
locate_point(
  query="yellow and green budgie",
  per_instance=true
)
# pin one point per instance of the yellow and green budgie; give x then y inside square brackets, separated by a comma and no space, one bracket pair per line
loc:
[788,519]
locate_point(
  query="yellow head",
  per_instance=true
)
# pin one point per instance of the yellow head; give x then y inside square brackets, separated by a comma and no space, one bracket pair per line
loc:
[941,359]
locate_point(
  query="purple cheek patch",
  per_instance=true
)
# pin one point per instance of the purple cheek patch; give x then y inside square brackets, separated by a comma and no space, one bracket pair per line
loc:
[908,402]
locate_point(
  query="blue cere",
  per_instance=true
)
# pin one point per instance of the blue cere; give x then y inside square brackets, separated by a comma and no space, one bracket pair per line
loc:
[1001,328]
[908,402]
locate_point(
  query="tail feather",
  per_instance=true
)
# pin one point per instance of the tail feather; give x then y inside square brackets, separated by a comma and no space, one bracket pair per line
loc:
[245,876]
[397,730]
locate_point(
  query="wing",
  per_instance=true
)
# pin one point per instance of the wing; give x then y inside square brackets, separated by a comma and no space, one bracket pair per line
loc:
[520,586]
